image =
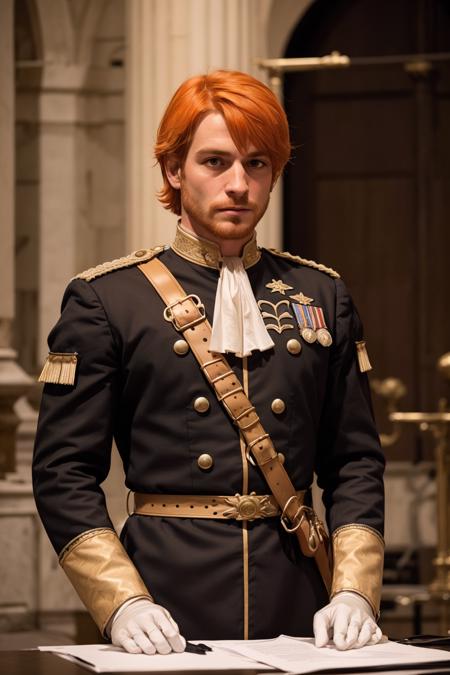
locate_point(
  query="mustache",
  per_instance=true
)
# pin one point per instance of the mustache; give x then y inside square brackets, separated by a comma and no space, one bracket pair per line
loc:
[235,205]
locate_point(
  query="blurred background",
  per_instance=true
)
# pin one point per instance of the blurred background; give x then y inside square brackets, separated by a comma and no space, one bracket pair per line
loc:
[83,84]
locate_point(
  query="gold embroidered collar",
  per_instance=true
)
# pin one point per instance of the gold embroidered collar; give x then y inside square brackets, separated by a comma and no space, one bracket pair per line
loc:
[207,253]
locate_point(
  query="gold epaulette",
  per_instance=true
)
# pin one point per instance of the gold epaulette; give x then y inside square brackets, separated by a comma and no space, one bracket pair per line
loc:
[304,261]
[59,368]
[140,256]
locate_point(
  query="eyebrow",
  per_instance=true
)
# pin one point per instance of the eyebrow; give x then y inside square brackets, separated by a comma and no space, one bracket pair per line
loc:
[224,153]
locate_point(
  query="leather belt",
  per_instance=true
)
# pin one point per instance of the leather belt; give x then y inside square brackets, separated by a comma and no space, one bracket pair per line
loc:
[237,507]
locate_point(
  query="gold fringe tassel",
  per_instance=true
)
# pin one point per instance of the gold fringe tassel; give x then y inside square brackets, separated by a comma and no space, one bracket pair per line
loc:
[59,368]
[363,357]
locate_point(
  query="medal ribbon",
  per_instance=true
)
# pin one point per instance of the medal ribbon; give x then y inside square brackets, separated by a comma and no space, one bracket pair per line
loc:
[309,310]
[319,317]
[303,316]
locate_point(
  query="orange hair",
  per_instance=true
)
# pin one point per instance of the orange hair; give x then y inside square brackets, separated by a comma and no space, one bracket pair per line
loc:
[251,111]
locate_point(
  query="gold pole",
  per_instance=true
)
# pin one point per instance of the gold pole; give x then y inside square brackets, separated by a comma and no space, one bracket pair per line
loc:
[276,83]
[440,587]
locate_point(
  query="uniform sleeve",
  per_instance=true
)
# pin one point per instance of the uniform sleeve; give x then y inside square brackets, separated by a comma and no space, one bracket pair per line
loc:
[350,463]
[72,457]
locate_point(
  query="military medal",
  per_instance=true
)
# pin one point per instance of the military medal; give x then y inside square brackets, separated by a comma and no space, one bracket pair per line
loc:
[323,334]
[305,322]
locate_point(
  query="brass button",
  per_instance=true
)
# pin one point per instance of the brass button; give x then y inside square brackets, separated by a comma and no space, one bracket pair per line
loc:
[201,404]
[278,406]
[293,346]
[205,462]
[281,457]
[140,253]
[180,347]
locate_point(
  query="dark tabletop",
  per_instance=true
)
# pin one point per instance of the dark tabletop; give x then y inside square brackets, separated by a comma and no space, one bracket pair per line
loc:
[34,662]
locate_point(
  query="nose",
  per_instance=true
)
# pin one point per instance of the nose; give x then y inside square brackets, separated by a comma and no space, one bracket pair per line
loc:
[237,184]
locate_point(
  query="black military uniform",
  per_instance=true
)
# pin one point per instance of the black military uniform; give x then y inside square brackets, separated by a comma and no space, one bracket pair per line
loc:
[134,381]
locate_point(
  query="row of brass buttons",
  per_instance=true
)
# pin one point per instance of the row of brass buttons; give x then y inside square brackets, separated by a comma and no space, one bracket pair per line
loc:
[201,405]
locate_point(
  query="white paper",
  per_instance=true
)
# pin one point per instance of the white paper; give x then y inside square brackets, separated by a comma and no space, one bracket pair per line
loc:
[110,659]
[293,655]
[299,655]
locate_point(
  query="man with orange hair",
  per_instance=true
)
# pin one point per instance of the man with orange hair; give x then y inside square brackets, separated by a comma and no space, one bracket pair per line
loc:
[222,540]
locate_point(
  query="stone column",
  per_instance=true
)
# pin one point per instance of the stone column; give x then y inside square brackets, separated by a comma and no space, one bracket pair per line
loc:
[166,43]
[60,111]
[17,582]
[79,208]
[14,382]
[59,209]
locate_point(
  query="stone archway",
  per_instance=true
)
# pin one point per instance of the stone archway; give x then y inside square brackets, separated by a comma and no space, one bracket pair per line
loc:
[282,20]
[58,39]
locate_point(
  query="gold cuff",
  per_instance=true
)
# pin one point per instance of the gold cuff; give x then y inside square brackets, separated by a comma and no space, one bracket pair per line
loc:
[101,573]
[358,553]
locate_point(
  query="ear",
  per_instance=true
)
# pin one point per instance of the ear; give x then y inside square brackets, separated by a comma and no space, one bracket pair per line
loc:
[173,171]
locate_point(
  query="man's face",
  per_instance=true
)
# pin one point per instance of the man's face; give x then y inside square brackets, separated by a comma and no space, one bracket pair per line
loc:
[224,193]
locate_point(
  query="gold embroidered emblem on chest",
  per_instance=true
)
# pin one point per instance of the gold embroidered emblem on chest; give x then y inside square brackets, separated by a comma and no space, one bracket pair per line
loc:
[302,298]
[276,315]
[278,286]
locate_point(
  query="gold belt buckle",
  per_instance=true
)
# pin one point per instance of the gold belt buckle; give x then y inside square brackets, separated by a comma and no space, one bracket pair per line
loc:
[249,507]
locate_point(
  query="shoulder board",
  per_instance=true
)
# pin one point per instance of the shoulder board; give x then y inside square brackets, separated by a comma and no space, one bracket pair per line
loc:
[304,261]
[140,256]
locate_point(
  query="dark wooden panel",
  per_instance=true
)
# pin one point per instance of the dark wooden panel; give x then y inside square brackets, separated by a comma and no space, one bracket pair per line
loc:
[364,136]
[439,262]
[368,239]
[368,189]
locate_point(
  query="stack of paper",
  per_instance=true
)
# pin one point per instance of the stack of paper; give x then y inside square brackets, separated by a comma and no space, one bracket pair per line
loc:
[109,659]
[293,655]
[299,655]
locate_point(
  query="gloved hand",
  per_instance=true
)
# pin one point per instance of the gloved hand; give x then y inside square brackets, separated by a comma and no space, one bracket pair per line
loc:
[348,620]
[145,627]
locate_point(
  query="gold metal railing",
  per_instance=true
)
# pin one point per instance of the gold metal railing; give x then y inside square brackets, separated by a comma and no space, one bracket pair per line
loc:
[414,64]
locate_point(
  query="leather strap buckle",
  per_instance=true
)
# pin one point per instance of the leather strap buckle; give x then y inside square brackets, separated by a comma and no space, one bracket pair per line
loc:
[181,327]
[250,446]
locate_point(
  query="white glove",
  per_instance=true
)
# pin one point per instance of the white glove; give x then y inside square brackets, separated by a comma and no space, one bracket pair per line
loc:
[348,620]
[145,627]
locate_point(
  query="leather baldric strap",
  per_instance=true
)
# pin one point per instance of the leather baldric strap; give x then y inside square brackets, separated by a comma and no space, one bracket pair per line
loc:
[187,314]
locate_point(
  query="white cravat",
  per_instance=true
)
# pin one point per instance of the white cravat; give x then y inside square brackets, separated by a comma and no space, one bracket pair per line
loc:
[238,326]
